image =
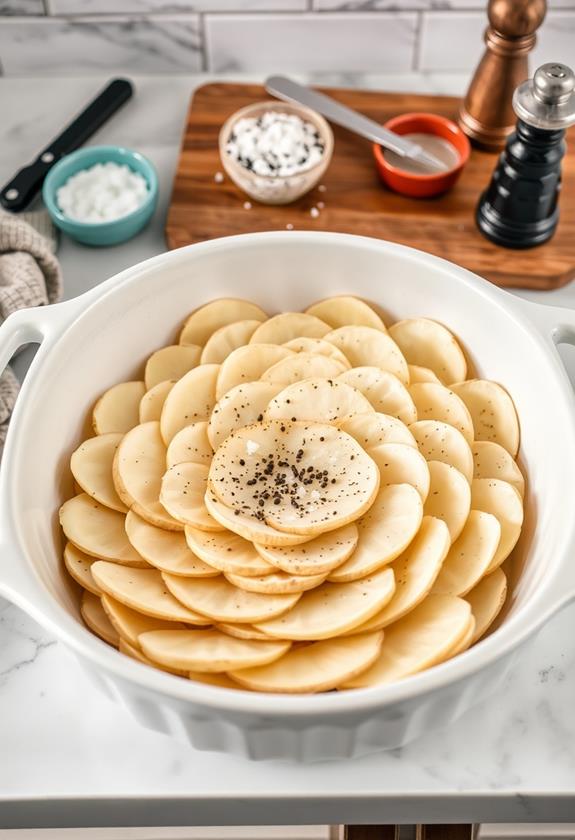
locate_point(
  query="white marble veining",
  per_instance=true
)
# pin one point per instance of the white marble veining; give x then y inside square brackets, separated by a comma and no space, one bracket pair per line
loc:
[69,756]
[144,7]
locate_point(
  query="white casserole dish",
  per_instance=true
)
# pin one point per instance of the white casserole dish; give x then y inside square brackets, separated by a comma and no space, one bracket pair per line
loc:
[91,342]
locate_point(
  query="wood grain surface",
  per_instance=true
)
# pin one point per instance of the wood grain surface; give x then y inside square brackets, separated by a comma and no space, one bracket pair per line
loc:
[355,199]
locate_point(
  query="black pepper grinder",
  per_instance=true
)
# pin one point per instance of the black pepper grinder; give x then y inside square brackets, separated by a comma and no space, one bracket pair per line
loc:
[519,208]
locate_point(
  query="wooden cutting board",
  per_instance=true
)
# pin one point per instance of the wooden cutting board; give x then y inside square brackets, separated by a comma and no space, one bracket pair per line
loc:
[355,199]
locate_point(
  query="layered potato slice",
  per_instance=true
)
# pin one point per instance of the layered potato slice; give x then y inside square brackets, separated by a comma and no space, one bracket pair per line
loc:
[429,344]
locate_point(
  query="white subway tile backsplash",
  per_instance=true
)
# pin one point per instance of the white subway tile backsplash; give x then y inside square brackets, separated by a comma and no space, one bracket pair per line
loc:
[318,43]
[108,45]
[417,5]
[143,7]
[21,7]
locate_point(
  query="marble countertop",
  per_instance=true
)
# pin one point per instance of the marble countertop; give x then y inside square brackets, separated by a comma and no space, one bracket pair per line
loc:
[71,757]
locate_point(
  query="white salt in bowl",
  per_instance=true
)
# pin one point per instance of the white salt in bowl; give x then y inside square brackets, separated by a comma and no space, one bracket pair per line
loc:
[276,189]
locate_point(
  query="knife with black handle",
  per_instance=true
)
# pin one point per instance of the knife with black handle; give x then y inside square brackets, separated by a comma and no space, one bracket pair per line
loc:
[21,189]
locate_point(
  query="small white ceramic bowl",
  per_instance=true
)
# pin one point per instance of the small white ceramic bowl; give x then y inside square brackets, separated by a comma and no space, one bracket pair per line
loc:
[275,189]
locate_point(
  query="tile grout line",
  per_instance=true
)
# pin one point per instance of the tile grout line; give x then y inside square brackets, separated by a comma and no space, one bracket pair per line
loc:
[417,43]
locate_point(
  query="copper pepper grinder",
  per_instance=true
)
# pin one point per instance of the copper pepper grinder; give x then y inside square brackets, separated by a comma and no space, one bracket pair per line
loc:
[486,115]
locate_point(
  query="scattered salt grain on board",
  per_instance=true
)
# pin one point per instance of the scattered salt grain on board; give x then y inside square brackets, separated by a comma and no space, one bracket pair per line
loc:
[320,205]
[103,193]
[289,226]
[247,205]
[314,212]
[322,188]
[219,177]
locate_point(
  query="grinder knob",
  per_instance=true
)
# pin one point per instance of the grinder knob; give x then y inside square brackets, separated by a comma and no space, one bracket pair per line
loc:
[547,101]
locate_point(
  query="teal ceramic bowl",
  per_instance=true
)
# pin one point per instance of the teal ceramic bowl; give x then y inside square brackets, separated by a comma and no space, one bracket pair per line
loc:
[101,233]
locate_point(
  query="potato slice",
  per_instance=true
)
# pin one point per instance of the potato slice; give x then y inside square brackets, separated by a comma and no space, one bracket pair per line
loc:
[79,565]
[139,465]
[129,650]
[227,339]
[191,399]
[208,650]
[491,460]
[242,631]
[401,464]
[417,373]
[96,619]
[332,608]
[167,551]
[486,600]
[318,400]
[276,583]
[449,497]
[220,680]
[152,402]
[320,666]
[295,477]
[436,402]
[492,411]
[470,555]
[318,556]
[383,390]
[419,640]
[98,531]
[129,624]
[302,366]
[241,406]
[439,441]
[385,531]
[428,343]
[415,572]
[182,494]
[465,641]
[374,429]
[369,346]
[227,552]
[91,466]
[247,364]
[319,346]
[202,323]
[502,500]
[144,591]
[171,362]
[191,444]
[219,600]
[118,409]
[344,310]
[248,527]
[288,325]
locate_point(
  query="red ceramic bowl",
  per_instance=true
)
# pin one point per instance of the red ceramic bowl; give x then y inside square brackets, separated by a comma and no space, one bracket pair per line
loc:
[423,186]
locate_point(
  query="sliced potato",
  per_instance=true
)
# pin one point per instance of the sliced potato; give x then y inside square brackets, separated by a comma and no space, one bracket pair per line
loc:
[401,464]
[276,583]
[182,494]
[139,465]
[288,325]
[242,631]
[486,600]
[247,364]
[344,310]
[247,527]
[319,346]
[167,551]
[374,429]
[144,591]
[202,323]
[152,402]
[171,362]
[502,500]
[318,556]
[470,555]
[491,460]
[91,466]
[419,640]
[220,680]
[219,600]
[465,641]
[79,566]
[227,552]
[449,497]
[295,477]
[417,373]
[227,339]
[439,441]
[385,532]
[118,410]
[208,650]
[369,346]
[320,666]
[383,390]
[98,531]
[318,400]
[129,624]
[436,402]
[241,406]
[302,366]
[190,444]
[96,619]
[430,344]
[492,411]
[332,608]
[134,653]
[191,399]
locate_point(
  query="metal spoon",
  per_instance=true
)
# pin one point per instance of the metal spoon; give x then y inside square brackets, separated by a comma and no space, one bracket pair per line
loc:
[290,91]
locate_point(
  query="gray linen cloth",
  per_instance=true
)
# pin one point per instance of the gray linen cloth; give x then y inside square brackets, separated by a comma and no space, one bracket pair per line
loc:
[30,275]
